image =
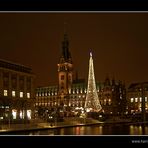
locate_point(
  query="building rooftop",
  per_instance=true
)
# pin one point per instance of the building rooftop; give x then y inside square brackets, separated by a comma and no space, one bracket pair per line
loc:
[137,86]
[14,66]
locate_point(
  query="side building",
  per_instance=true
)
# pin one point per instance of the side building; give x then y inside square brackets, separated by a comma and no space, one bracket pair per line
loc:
[137,98]
[16,92]
[112,96]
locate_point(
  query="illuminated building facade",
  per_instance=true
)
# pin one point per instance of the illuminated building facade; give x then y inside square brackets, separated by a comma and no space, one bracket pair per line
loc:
[70,93]
[16,92]
[112,96]
[137,98]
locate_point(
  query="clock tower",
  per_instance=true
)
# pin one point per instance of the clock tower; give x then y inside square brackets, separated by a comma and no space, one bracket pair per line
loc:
[65,74]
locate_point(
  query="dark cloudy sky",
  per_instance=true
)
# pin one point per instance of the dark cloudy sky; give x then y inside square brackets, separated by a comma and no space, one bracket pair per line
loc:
[119,42]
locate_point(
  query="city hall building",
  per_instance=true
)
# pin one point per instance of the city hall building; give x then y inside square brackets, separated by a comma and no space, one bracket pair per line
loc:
[16,92]
[70,92]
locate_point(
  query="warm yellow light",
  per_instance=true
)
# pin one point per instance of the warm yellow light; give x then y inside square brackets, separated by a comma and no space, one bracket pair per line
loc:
[29,114]
[5,92]
[132,100]
[13,93]
[21,94]
[136,99]
[28,95]
[14,113]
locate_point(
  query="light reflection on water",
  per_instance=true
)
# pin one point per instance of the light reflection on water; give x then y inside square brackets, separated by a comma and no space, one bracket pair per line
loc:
[138,130]
[110,129]
[79,130]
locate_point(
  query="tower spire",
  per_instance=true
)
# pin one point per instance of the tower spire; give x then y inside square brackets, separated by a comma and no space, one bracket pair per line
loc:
[65,32]
[65,28]
[66,55]
[92,103]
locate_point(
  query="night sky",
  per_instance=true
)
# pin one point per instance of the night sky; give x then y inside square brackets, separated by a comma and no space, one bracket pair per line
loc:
[119,42]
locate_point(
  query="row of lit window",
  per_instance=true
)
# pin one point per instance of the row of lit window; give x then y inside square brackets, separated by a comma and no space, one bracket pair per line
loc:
[4,106]
[105,102]
[76,100]
[46,104]
[46,94]
[73,90]
[83,96]
[21,114]
[51,104]
[137,99]
[21,94]
[138,110]
[76,105]
[76,91]
[55,93]
[54,100]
